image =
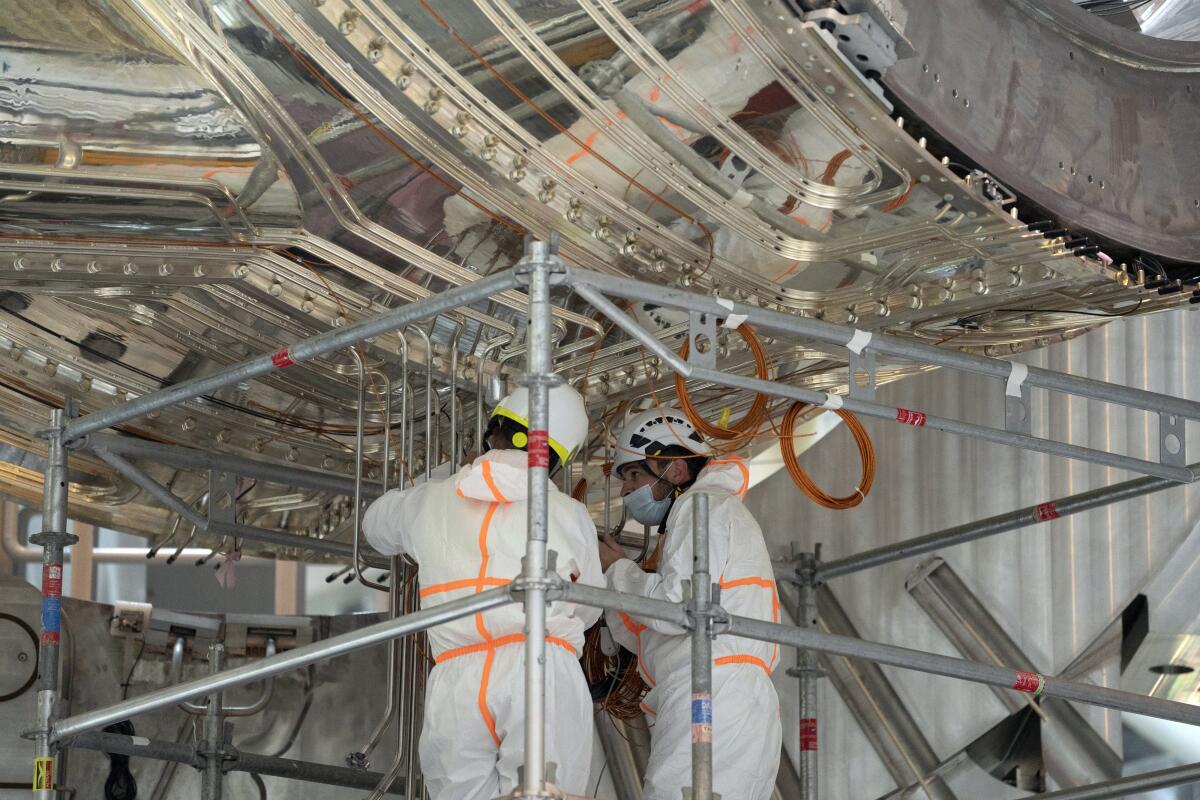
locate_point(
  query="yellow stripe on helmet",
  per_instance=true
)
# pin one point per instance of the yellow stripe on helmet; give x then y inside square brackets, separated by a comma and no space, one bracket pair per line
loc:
[564,455]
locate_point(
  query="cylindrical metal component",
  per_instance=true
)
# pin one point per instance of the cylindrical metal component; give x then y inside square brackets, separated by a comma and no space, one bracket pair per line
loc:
[932,663]
[213,742]
[702,662]
[880,411]
[239,761]
[806,671]
[626,746]
[284,662]
[1133,785]
[539,257]
[1074,753]
[303,350]
[188,458]
[1001,523]
[908,349]
[53,539]
[882,716]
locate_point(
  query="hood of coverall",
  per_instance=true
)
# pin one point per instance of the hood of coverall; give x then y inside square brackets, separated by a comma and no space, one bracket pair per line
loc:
[496,476]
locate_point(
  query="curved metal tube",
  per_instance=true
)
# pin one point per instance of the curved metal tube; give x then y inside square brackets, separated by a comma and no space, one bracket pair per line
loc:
[196,709]
[358,470]
[480,404]
[264,697]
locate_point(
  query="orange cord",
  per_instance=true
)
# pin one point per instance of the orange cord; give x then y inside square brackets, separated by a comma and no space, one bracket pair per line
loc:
[866,453]
[749,424]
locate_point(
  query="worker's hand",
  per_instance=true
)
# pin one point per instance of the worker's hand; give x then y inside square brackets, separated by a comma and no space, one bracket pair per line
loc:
[610,551]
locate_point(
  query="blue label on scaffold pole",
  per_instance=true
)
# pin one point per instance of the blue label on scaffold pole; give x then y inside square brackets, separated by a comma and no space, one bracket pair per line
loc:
[51,617]
[701,718]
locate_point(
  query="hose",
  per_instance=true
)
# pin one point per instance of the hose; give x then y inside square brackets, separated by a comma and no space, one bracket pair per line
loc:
[866,454]
[749,424]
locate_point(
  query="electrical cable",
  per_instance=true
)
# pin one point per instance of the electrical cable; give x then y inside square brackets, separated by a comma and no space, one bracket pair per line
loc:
[749,424]
[120,784]
[866,453]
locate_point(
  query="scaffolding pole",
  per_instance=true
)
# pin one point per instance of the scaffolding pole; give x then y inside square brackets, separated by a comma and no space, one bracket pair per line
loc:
[1134,784]
[585,285]
[540,261]
[700,613]
[1001,523]
[378,633]
[932,663]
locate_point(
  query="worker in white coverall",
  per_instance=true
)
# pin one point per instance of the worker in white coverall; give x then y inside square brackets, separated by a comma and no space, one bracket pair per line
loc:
[467,534]
[664,463]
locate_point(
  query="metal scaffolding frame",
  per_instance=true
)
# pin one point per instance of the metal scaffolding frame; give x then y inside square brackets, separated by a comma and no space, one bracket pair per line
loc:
[538,584]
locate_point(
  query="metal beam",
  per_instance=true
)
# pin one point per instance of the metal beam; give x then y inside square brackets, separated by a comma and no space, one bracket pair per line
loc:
[236,761]
[1134,784]
[932,663]
[189,458]
[871,409]
[303,350]
[1001,523]
[66,728]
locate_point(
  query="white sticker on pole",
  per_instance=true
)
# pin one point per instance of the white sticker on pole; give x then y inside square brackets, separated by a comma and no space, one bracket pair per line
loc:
[732,320]
[833,402]
[1016,378]
[742,198]
[858,342]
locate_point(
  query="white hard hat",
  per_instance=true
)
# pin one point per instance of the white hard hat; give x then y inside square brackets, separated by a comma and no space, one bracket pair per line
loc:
[653,431]
[568,418]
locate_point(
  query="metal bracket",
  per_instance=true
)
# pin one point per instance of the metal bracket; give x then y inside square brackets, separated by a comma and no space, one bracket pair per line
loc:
[862,365]
[222,496]
[1018,412]
[1171,440]
[865,42]
[702,324]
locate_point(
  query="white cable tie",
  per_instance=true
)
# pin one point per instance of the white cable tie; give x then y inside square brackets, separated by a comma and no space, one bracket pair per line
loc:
[833,402]
[858,342]
[1016,378]
[732,320]
[140,741]
[742,198]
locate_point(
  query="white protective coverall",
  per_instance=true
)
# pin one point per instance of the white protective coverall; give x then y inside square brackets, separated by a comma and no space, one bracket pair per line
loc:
[467,534]
[746,729]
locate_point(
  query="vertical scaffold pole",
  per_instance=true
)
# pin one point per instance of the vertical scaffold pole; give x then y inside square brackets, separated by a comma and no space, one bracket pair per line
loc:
[53,540]
[702,662]
[807,670]
[540,258]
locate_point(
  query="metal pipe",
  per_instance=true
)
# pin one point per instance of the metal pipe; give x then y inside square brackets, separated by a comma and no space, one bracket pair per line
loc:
[480,402]
[806,671]
[811,328]
[932,663]
[356,533]
[1074,753]
[236,761]
[1001,523]
[176,675]
[881,714]
[626,745]
[284,662]
[429,420]
[53,539]
[871,409]
[189,458]
[293,540]
[1133,785]
[455,444]
[540,259]
[303,350]
[264,697]
[700,613]
[360,759]
[212,748]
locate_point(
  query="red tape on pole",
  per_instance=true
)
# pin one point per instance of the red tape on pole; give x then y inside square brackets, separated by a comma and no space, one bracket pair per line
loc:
[1045,512]
[539,450]
[282,359]
[808,734]
[907,416]
[1030,683]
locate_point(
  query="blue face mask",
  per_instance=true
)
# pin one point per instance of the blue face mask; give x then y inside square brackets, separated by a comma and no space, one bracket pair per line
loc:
[642,506]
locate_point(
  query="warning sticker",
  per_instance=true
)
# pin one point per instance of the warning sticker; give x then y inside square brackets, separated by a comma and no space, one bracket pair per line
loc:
[539,450]
[1045,512]
[51,619]
[808,734]
[43,773]
[282,359]
[52,580]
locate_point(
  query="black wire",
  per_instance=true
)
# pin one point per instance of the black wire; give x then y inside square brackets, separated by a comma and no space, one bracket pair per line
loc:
[601,778]
[960,322]
[129,677]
